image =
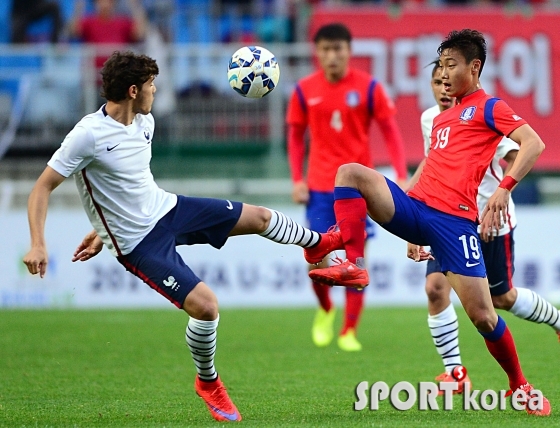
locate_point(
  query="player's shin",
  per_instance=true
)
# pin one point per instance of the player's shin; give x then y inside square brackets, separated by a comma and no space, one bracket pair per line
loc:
[444,328]
[284,230]
[351,211]
[201,340]
[502,347]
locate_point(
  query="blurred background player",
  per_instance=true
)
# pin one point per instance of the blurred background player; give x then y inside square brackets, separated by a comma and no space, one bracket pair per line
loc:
[338,104]
[498,253]
[441,210]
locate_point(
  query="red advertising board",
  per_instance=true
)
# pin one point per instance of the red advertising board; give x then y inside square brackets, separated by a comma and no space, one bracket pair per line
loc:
[522,68]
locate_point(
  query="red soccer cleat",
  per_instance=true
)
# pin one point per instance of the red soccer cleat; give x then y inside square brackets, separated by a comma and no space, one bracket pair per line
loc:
[446,377]
[546,409]
[217,400]
[345,273]
[330,241]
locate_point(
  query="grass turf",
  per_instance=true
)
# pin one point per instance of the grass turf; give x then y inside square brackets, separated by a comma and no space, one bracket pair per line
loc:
[132,368]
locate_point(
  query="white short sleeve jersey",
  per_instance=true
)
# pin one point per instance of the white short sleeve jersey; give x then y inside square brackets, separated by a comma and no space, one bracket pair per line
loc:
[493,176]
[111,166]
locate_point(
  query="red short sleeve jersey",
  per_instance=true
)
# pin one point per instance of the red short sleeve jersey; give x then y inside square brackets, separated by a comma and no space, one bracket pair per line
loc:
[463,142]
[338,116]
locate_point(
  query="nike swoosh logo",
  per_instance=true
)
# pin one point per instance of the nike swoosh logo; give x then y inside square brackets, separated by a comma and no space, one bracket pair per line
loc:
[229,205]
[469,264]
[229,416]
[111,148]
[495,285]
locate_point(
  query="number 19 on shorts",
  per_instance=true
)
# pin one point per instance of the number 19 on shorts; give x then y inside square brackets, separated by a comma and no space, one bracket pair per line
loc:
[470,248]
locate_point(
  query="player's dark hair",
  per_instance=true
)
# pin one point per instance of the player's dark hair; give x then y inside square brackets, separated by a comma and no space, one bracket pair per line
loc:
[333,32]
[470,43]
[124,69]
[435,66]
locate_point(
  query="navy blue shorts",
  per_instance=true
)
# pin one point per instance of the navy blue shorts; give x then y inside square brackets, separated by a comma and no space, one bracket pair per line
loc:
[320,213]
[454,240]
[498,257]
[192,221]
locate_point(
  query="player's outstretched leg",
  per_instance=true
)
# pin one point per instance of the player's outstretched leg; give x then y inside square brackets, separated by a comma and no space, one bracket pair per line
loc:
[200,335]
[475,297]
[530,306]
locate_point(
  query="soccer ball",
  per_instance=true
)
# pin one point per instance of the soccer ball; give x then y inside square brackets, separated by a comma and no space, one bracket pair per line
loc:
[253,72]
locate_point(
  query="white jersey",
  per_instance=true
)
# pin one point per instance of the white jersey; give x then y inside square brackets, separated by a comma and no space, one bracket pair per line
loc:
[111,166]
[493,176]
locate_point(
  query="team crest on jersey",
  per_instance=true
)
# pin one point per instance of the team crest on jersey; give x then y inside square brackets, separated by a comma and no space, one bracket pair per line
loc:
[147,134]
[468,113]
[352,98]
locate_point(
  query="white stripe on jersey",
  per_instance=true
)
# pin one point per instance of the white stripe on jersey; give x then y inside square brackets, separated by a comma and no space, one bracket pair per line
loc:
[111,166]
[493,175]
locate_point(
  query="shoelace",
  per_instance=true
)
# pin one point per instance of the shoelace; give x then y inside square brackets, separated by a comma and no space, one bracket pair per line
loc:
[220,396]
[338,260]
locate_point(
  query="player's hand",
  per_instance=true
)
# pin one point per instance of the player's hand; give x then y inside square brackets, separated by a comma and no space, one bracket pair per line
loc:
[417,253]
[36,261]
[300,193]
[495,214]
[90,247]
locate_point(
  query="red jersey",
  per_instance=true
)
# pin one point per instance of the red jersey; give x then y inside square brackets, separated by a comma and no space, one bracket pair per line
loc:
[116,30]
[463,142]
[338,116]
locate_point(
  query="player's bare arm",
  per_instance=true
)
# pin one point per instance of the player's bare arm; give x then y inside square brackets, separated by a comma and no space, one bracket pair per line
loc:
[531,146]
[36,259]
[90,246]
[415,177]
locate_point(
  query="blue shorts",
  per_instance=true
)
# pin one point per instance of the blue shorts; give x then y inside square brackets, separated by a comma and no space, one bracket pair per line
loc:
[498,257]
[192,221]
[454,240]
[320,213]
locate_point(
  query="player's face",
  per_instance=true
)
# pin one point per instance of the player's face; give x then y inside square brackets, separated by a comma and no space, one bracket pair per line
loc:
[105,7]
[333,56]
[442,99]
[145,98]
[459,77]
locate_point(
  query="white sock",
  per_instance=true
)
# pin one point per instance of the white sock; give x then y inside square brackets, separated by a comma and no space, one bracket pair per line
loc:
[201,340]
[532,307]
[444,328]
[284,230]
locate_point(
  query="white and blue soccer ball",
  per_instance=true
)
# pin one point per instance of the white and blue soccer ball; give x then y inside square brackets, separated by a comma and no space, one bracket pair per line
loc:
[253,71]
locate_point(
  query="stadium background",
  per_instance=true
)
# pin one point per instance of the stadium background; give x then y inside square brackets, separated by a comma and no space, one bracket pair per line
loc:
[211,142]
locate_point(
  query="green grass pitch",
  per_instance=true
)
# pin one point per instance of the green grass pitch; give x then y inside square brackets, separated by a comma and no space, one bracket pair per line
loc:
[121,368]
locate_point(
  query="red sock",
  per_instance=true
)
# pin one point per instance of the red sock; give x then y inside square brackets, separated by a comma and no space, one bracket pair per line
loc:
[323,295]
[353,310]
[503,350]
[351,219]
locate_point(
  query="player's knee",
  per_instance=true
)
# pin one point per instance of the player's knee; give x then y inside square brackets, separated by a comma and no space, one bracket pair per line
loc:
[262,218]
[348,174]
[504,301]
[206,310]
[435,291]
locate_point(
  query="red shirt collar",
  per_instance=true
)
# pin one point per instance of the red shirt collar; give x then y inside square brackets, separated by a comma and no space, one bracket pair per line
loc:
[479,93]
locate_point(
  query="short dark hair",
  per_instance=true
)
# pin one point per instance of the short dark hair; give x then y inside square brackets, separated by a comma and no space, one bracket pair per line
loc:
[333,32]
[470,43]
[435,65]
[124,69]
